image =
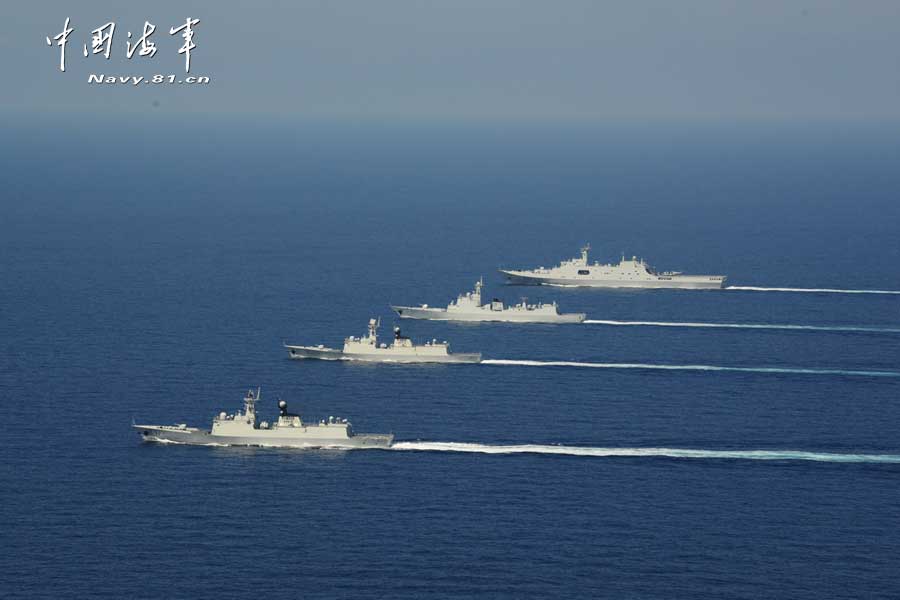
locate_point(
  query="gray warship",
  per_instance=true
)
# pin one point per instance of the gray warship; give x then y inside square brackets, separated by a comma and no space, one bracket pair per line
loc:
[401,350]
[468,307]
[629,273]
[289,431]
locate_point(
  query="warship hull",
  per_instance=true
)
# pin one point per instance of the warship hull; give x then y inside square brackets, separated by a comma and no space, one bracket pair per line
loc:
[316,352]
[662,282]
[384,355]
[264,438]
[484,315]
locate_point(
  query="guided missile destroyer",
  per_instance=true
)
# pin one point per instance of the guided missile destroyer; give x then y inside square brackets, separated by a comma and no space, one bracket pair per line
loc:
[242,429]
[401,350]
[629,273]
[468,307]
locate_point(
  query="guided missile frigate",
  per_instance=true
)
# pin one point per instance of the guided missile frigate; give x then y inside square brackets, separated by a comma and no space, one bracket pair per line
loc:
[242,429]
[468,307]
[401,350]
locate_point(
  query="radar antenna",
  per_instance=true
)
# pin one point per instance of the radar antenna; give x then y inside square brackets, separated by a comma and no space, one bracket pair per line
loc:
[250,404]
[374,324]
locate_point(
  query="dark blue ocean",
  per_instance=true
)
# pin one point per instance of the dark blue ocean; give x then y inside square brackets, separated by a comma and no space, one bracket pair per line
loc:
[151,268]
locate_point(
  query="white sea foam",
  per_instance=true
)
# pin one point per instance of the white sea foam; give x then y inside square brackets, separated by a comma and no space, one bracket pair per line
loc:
[748,288]
[787,370]
[837,328]
[646,452]
[158,440]
[420,446]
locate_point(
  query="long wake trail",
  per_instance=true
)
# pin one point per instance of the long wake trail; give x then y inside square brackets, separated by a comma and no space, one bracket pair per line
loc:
[647,452]
[750,288]
[835,328]
[664,367]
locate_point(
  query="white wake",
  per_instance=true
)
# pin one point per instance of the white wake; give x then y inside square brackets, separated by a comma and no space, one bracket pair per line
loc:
[837,328]
[646,452]
[749,288]
[652,366]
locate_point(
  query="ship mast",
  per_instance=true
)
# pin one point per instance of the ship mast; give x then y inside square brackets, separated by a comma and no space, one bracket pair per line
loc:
[476,295]
[250,405]
[584,253]
[373,329]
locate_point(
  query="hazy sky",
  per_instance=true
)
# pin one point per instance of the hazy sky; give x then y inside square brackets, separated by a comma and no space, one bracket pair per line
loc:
[570,59]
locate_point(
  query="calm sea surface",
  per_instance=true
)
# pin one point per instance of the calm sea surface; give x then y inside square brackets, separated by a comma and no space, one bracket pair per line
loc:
[153,270]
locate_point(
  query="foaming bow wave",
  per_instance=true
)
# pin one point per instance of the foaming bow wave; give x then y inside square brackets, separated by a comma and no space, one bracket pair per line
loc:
[749,288]
[646,452]
[836,328]
[159,440]
[785,370]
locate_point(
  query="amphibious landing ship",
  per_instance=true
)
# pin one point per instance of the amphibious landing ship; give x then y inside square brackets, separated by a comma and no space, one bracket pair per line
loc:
[468,307]
[633,273]
[242,429]
[401,350]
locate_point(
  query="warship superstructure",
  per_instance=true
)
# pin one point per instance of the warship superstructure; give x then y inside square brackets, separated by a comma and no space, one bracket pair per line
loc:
[468,307]
[400,350]
[242,429]
[629,273]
